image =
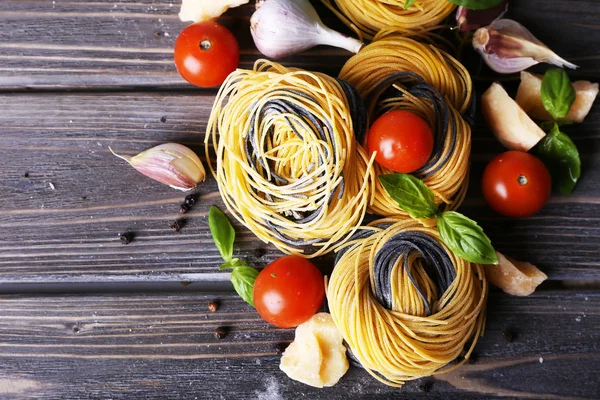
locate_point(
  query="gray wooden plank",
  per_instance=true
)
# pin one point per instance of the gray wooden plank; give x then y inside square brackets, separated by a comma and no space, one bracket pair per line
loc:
[69,233]
[162,346]
[128,43]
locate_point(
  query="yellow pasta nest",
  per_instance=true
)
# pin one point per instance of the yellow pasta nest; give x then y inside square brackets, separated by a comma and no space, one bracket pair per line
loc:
[396,72]
[406,305]
[367,17]
[287,164]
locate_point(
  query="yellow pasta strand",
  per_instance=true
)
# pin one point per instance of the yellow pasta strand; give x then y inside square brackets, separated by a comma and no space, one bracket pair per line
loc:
[367,17]
[406,341]
[287,164]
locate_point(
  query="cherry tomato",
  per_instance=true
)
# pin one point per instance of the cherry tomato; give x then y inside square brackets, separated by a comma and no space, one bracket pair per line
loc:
[289,291]
[403,141]
[516,184]
[205,53]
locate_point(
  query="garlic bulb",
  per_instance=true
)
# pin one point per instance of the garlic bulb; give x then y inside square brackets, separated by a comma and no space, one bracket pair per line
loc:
[281,28]
[170,163]
[507,46]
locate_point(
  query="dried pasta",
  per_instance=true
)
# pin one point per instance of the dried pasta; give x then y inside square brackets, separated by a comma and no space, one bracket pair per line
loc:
[367,17]
[396,72]
[287,164]
[406,306]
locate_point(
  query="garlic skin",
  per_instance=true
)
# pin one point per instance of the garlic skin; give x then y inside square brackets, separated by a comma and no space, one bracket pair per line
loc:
[170,163]
[281,28]
[507,47]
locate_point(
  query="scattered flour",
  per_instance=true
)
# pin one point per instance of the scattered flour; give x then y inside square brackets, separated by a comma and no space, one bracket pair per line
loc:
[271,392]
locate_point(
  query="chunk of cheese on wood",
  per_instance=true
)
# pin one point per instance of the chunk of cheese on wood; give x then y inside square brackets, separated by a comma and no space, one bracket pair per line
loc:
[204,10]
[317,356]
[514,277]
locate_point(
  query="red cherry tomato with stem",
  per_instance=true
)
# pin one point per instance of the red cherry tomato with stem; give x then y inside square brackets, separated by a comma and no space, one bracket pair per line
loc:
[516,184]
[205,53]
[403,141]
[289,291]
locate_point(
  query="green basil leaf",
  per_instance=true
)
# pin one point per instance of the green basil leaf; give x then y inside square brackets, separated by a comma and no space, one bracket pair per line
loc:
[547,126]
[242,278]
[408,3]
[476,4]
[561,157]
[222,232]
[557,92]
[231,264]
[465,238]
[411,194]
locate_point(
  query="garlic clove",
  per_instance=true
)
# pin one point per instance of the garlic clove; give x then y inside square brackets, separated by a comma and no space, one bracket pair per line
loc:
[170,163]
[281,28]
[469,20]
[507,47]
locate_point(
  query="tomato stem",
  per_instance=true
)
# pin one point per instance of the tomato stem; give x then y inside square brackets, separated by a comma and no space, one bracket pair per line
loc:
[205,44]
[522,179]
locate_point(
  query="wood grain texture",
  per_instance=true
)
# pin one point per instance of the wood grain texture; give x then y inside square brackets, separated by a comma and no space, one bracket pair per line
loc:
[108,43]
[162,346]
[60,223]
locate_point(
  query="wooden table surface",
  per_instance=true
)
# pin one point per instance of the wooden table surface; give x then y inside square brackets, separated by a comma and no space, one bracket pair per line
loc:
[84,316]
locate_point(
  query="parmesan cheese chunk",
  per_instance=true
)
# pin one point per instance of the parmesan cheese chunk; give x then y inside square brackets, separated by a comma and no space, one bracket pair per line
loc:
[317,356]
[529,97]
[514,277]
[204,10]
[507,120]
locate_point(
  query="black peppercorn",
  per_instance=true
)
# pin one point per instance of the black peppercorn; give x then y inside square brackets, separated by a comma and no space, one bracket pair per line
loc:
[509,336]
[190,200]
[213,306]
[280,348]
[220,332]
[177,225]
[126,237]
[425,386]
[163,119]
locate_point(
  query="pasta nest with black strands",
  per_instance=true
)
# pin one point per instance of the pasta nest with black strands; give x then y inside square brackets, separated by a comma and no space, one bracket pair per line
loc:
[367,17]
[406,306]
[397,72]
[287,164]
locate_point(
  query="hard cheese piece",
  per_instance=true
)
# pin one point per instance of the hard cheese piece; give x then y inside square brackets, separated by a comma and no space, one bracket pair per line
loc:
[300,359]
[204,10]
[514,277]
[529,97]
[507,120]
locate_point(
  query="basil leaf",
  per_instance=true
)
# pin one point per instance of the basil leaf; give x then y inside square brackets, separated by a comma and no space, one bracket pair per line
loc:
[222,232]
[242,278]
[557,92]
[465,238]
[411,194]
[561,157]
[231,264]
[408,3]
[547,126]
[476,4]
